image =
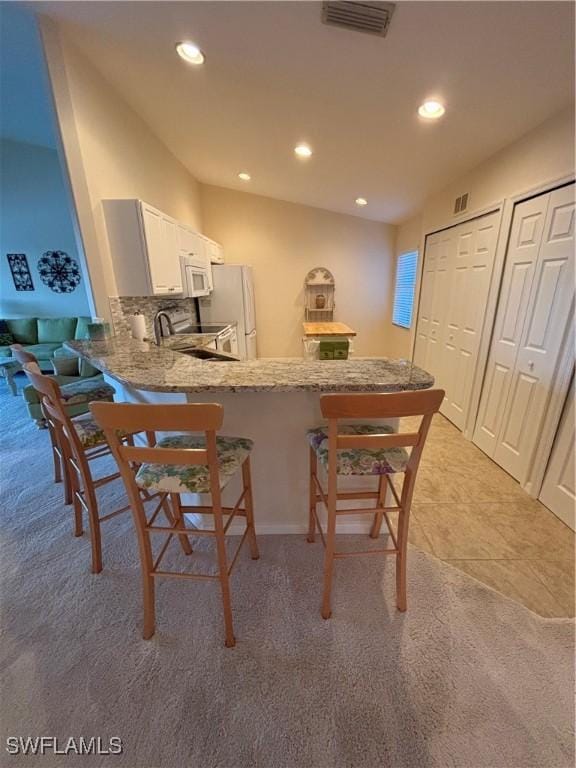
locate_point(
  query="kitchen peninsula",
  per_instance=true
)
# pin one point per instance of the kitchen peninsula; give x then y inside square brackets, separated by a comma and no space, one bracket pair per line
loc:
[272,401]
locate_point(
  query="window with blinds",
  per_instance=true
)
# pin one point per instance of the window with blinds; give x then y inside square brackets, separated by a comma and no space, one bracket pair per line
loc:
[404,289]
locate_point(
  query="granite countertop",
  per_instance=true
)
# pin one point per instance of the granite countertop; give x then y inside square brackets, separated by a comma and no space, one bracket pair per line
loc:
[145,366]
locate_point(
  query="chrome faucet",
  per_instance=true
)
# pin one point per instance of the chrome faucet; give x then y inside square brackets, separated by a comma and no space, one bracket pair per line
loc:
[157,323]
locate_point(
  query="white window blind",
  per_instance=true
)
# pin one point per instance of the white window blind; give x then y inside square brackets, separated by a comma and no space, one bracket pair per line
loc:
[404,289]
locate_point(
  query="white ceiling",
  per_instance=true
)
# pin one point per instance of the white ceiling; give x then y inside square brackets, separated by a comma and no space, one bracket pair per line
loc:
[275,75]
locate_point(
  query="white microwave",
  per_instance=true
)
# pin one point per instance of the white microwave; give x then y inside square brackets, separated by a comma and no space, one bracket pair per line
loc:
[195,277]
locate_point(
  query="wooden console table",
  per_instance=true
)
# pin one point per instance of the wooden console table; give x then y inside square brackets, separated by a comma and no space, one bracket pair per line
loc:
[328,329]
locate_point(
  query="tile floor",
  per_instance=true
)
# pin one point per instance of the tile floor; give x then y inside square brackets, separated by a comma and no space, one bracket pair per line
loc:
[470,513]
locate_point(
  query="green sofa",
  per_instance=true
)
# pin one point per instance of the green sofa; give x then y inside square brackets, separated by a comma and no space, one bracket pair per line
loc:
[44,337]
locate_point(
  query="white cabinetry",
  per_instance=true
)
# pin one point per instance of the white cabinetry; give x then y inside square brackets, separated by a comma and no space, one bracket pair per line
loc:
[189,242]
[535,312]
[146,245]
[214,251]
[194,244]
[161,251]
[144,249]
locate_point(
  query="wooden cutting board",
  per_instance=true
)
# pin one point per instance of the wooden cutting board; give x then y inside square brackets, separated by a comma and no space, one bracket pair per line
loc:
[327,329]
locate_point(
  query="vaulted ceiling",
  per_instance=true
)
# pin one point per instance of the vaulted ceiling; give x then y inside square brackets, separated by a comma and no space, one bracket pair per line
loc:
[275,75]
[26,112]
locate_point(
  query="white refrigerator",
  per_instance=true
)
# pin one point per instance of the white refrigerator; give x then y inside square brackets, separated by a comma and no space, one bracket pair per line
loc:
[232,299]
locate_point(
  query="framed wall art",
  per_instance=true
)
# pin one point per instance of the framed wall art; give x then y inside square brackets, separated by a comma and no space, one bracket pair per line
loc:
[59,271]
[20,271]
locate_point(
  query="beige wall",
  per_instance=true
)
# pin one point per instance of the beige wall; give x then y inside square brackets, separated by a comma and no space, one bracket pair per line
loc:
[283,241]
[544,154]
[110,153]
[407,239]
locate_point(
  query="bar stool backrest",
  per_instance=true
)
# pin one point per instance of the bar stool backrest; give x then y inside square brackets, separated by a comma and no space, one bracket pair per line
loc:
[52,405]
[424,403]
[22,355]
[137,418]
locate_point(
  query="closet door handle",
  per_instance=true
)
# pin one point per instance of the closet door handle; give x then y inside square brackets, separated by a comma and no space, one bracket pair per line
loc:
[531,365]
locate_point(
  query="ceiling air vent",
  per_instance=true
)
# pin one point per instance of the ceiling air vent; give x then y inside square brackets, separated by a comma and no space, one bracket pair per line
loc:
[461,203]
[373,18]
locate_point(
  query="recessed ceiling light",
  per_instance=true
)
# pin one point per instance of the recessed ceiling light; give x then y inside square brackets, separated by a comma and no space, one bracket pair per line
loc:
[303,150]
[431,109]
[190,53]
[361,201]
[244,176]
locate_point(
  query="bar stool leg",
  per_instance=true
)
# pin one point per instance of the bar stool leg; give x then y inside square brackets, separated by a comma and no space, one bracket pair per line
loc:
[55,457]
[249,507]
[312,497]
[230,640]
[401,559]
[177,520]
[65,453]
[149,604]
[95,534]
[330,543]
[379,516]
[75,491]
[146,568]
[92,507]
[66,479]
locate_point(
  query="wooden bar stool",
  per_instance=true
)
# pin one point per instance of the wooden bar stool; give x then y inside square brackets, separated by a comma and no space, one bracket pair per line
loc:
[76,394]
[181,463]
[23,357]
[368,449]
[80,441]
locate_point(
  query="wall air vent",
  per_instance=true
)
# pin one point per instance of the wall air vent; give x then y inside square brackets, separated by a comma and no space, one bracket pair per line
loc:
[371,17]
[461,203]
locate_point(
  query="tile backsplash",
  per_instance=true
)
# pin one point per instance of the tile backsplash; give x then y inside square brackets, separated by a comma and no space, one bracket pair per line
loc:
[121,307]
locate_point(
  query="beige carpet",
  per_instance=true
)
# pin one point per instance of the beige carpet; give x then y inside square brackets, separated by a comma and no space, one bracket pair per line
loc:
[466,678]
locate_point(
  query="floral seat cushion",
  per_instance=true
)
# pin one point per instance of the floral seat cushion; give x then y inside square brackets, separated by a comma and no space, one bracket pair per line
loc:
[171,478]
[88,431]
[86,391]
[360,461]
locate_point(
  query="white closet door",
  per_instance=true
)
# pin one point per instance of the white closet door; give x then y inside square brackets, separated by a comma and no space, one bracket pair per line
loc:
[558,490]
[524,243]
[439,309]
[426,296]
[472,260]
[549,310]
[456,278]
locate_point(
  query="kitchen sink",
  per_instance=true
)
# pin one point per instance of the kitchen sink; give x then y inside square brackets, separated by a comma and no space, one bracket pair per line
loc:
[206,354]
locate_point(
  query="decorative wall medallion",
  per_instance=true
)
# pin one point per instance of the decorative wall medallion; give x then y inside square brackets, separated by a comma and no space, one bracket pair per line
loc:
[20,271]
[59,271]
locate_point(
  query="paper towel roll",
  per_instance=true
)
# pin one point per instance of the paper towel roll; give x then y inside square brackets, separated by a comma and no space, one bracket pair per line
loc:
[138,326]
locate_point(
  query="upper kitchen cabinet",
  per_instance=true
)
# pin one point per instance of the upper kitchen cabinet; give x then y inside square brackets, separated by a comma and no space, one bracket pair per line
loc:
[145,249]
[214,251]
[194,244]
[214,255]
[162,249]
